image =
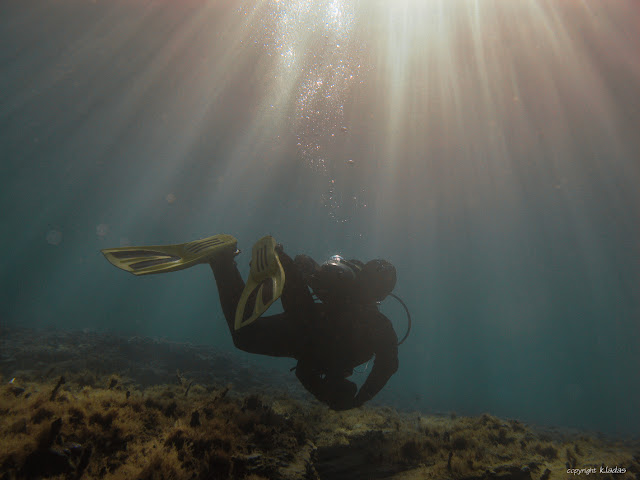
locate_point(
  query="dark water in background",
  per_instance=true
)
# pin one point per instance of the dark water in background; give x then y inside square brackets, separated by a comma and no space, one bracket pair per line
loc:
[492,156]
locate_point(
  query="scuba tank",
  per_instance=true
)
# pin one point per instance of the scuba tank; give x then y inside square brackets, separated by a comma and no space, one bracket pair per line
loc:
[342,282]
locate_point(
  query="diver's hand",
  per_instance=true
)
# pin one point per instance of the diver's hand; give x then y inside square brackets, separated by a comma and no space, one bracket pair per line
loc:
[307,266]
[342,396]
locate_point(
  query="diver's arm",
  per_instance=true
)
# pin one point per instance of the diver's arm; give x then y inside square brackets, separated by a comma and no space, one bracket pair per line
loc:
[335,391]
[385,363]
[296,298]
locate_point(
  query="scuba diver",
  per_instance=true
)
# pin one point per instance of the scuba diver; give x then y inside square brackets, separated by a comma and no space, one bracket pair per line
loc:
[328,338]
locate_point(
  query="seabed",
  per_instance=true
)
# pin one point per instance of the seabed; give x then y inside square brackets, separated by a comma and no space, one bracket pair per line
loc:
[87,405]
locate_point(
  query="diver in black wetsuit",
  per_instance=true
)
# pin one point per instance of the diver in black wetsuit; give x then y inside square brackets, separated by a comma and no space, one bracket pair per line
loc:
[329,339]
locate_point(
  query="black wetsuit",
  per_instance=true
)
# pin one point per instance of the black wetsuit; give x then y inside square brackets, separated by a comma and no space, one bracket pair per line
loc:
[328,341]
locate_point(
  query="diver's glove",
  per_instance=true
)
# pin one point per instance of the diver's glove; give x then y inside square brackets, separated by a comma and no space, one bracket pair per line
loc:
[307,267]
[343,395]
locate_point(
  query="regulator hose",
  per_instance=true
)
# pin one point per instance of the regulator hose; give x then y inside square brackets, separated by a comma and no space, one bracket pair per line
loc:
[406,309]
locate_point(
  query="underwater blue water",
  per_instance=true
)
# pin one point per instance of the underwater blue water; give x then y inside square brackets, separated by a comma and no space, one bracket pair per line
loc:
[492,156]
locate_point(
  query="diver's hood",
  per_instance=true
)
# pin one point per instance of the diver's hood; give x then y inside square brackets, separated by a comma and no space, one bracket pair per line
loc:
[378,278]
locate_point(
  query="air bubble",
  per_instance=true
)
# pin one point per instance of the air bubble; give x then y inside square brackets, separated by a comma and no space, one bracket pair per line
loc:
[54,237]
[102,230]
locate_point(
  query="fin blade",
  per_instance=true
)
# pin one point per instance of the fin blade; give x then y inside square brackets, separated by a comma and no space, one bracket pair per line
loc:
[138,262]
[264,285]
[169,258]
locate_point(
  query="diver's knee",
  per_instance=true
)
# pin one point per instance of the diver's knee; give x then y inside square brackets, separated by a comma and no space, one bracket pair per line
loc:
[240,342]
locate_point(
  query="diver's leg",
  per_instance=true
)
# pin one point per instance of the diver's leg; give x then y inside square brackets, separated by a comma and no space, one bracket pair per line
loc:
[296,297]
[277,335]
[230,287]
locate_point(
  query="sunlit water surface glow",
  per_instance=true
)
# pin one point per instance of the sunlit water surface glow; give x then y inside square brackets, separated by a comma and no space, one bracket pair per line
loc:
[456,87]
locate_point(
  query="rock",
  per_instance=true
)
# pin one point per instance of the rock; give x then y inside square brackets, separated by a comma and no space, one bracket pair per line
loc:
[359,460]
[46,463]
[17,391]
[253,459]
[195,419]
[511,472]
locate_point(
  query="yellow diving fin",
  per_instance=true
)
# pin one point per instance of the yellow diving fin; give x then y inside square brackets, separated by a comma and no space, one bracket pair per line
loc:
[169,258]
[264,285]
